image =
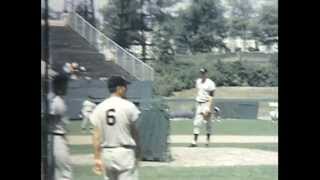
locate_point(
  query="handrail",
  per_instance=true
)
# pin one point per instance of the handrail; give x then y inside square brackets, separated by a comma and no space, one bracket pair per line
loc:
[102,43]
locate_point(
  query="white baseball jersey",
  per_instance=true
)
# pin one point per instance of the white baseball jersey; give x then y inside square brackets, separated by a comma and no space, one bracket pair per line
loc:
[203,89]
[88,106]
[58,107]
[114,117]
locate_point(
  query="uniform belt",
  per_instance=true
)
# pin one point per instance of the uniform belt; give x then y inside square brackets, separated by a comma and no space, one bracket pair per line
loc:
[57,134]
[202,102]
[125,146]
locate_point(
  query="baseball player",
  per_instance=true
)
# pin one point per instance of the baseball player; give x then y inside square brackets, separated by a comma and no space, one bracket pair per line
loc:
[57,121]
[204,103]
[87,107]
[115,136]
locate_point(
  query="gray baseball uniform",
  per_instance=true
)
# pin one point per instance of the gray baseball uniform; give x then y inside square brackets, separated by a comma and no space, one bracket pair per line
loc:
[202,104]
[62,170]
[113,117]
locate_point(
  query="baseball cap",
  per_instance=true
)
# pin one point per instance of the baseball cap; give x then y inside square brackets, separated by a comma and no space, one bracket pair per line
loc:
[115,81]
[203,70]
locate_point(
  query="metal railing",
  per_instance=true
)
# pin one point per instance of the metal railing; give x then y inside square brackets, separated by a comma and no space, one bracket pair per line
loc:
[110,49]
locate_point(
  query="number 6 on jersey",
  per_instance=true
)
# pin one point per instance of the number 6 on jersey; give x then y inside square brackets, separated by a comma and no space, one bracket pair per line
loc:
[111,119]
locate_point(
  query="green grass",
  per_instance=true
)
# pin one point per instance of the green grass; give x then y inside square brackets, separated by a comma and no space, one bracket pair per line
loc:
[192,173]
[88,149]
[229,127]
[75,128]
[225,127]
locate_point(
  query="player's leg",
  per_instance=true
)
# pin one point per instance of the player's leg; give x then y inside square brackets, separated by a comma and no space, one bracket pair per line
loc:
[209,130]
[196,125]
[63,170]
[118,161]
[84,122]
[208,123]
[131,172]
[110,172]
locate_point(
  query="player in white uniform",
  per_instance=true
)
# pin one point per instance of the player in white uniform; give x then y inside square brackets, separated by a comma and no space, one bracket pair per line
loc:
[87,108]
[115,136]
[206,88]
[58,120]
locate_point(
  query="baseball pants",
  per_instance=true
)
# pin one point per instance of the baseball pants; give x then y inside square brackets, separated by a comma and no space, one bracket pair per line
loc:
[120,164]
[85,120]
[62,169]
[199,121]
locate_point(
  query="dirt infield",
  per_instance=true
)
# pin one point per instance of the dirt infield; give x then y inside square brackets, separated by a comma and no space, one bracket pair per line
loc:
[85,139]
[201,156]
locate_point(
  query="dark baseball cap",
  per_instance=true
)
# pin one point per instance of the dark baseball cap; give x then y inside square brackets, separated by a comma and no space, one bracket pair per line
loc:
[115,81]
[203,70]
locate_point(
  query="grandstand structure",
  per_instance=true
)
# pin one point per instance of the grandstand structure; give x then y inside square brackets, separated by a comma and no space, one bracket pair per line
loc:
[74,40]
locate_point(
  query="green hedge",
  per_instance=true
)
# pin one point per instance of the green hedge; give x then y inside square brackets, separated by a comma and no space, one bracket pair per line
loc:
[181,75]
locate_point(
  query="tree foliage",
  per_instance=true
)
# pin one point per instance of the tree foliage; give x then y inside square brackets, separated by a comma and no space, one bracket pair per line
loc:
[204,26]
[240,19]
[266,24]
[121,21]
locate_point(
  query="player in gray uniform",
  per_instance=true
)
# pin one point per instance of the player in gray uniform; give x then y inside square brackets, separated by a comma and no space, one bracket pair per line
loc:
[204,104]
[58,120]
[115,136]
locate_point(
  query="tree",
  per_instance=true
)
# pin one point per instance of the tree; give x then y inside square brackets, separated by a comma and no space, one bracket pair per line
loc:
[120,21]
[164,31]
[130,22]
[269,21]
[203,26]
[86,10]
[163,40]
[240,21]
[266,24]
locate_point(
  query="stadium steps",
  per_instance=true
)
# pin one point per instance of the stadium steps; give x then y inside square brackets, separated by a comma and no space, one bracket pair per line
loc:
[68,46]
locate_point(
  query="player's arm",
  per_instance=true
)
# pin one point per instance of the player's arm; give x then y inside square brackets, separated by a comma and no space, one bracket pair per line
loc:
[96,140]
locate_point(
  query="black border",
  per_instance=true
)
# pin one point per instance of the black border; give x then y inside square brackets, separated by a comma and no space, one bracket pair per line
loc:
[298,79]
[20,40]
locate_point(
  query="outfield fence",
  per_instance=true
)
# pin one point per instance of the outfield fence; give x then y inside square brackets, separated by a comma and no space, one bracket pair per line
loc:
[233,108]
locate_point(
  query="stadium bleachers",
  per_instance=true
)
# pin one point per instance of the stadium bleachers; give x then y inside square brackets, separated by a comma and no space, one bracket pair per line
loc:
[68,46]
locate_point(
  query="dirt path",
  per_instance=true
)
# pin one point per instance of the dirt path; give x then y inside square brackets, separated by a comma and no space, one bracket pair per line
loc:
[85,139]
[197,157]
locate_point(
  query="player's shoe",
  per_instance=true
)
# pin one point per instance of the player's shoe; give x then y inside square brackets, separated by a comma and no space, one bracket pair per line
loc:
[193,145]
